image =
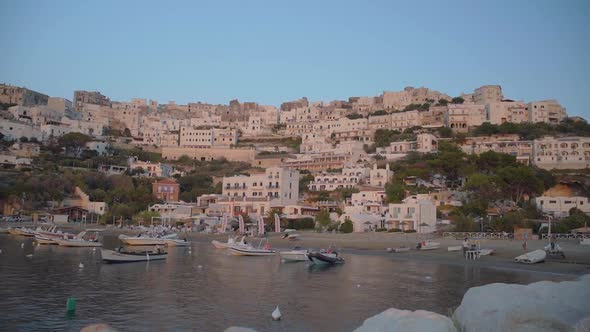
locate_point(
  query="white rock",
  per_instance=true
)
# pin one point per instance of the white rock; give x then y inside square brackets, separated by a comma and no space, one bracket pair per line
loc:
[276,314]
[404,320]
[239,329]
[541,306]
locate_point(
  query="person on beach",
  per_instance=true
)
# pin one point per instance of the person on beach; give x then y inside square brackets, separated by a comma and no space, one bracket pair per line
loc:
[465,246]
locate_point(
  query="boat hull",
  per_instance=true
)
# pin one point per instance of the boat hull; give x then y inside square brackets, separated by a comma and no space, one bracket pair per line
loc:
[319,258]
[220,245]
[111,256]
[251,252]
[74,243]
[177,243]
[137,241]
[22,232]
[532,257]
[44,240]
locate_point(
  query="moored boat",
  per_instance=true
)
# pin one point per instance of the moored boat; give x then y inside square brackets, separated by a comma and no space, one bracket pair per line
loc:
[146,239]
[295,255]
[247,250]
[177,243]
[80,240]
[428,245]
[122,256]
[325,257]
[532,257]
[21,231]
[398,250]
[230,242]
[44,239]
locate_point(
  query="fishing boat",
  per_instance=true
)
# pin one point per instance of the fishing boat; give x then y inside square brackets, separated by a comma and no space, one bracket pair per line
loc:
[44,239]
[177,243]
[248,250]
[295,255]
[123,256]
[532,257]
[146,239]
[325,257]
[398,250]
[80,240]
[21,231]
[428,245]
[230,242]
[49,236]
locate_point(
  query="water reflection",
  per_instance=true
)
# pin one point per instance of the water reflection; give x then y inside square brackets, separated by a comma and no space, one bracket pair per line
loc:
[210,290]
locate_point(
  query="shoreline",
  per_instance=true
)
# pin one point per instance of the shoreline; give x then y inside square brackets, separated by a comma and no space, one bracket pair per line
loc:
[576,263]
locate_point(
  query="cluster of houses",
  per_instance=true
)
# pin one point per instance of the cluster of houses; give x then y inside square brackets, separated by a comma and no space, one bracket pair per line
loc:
[333,139]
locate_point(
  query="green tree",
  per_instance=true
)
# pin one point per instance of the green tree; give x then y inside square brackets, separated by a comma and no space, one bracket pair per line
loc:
[443,102]
[74,143]
[323,218]
[347,226]
[519,181]
[395,192]
[145,216]
[463,223]
[457,100]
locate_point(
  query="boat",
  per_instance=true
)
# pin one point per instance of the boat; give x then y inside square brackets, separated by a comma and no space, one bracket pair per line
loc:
[428,245]
[532,257]
[44,239]
[80,241]
[122,256]
[291,237]
[146,239]
[398,250]
[585,242]
[177,243]
[295,255]
[230,242]
[21,231]
[49,236]
[455,248]
[325,257]
[241,250]
[4,230]
[486,251]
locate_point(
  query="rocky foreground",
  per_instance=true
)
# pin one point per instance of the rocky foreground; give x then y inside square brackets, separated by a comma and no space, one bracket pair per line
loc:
[541,306]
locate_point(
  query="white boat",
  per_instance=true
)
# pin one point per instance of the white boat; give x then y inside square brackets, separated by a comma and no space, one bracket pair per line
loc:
[44,239]
[177,243]
[291,237]
[21,231]
[49,236]
[230,242]
[428,245]
[585,242]
[248,250]
[119,256]
[532,257]
[4,230]
[295,255]
[146,239]
[455,248]
[80,241]
[486,251]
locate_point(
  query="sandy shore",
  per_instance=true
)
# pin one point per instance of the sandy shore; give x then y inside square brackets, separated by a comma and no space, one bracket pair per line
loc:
[577,261]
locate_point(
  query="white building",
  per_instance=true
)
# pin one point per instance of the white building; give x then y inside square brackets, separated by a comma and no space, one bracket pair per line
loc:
[378,177]
[561,153]
[207,137]
[412,212]
[548,111]
[348,178]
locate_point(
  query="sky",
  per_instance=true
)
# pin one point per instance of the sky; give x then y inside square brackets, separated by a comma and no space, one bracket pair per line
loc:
[275,51]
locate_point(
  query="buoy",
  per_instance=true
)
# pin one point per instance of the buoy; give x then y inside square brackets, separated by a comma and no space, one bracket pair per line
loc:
[22,245]
[71,304]
[30,255]
[276,314]
[81,266]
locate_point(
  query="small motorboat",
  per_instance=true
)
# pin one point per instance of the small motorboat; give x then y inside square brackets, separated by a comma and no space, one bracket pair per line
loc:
[486,251]
[428,245]
[49,236]
[325,257]
[146,239]
[41,239]
[4,230]
[585,242]
[177,243]
[230,242]
[80,240]
[398,250]
[455,248]
[295,255]
[123,256]
[291,237]
[23,231]
[249,250]
[553,250]
[532,257]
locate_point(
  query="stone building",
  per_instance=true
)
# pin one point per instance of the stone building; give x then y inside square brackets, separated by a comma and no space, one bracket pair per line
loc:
[21,96]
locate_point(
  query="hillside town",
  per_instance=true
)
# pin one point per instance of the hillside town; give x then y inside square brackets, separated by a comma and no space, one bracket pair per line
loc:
[416,160]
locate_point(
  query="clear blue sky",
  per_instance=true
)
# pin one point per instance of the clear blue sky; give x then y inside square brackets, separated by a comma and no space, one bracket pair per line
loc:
[274,51]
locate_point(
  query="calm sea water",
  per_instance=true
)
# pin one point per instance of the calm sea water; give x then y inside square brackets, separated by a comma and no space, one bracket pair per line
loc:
[209,290]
